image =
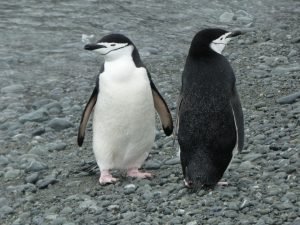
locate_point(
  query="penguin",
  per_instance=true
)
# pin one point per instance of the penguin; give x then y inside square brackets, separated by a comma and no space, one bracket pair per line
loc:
[209,119]
[124,101]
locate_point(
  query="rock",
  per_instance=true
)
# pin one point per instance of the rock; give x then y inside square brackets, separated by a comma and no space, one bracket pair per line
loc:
[59,124]
[22,188]
[56,146]
[35,116]
[3,160]
[38,131]
[194,222]
[5,210]
[44,183]
[152,165]
[16,88]
[288,99]
[113,207]
[12,174]
[129,189]
[33,165]
[32,178]
[88,204]
[172,161]
[226,17]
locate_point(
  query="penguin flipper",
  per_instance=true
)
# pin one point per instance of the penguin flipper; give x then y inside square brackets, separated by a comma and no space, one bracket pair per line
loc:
[162,109]
[85,116]
[238,118]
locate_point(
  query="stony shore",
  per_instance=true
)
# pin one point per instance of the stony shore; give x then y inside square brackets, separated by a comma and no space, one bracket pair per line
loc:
[46,78]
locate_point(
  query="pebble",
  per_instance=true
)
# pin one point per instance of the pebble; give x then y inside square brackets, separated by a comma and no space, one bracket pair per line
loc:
[33,165]
[22,188]
[56,146]
[35,116]
[32,178]
[172,161]
[152,165]
[45,182]
[129,189]
[5,210]
[16,88]
[226,17]
[12,174]
[288,99]
[59,124]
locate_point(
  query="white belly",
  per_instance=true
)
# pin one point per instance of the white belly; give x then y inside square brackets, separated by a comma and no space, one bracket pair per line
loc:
[124,120]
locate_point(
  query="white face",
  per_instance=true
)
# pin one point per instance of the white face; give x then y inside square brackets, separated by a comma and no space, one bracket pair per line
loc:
[219,44]
[111,47]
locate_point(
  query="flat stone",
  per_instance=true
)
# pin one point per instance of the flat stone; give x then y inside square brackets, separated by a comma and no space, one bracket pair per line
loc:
[44,183]
[5,210]
[152,165]
[289,98]
[35,116]
[16,88]
[56,146]
[129,189]
[32,178]
[22,188]
[34,166]
[59,124]
[226,17]
[173,161]
[11,174]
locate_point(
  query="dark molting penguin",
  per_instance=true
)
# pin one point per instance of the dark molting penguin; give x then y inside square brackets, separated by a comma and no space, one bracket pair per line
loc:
[209,113]
[124,99]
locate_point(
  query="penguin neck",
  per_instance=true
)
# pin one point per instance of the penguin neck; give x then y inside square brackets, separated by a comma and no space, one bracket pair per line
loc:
[200,51]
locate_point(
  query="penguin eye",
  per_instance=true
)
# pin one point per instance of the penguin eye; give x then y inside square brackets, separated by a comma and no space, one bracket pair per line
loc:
[112,44]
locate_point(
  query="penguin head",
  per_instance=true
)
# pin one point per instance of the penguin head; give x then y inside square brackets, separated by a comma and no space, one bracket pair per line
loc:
[211,39]
[112,46]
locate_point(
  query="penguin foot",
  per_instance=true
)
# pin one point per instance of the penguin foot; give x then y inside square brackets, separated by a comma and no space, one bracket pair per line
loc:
[223,183]
[106,178]
[134,172]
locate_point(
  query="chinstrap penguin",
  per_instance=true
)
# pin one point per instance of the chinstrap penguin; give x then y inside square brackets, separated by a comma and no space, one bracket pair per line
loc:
[209,122]
[124,101]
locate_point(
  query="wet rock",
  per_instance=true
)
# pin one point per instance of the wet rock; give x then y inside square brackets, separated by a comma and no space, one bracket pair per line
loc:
[288,99]
[152,165]
[39,131]
[16,88]
[45,182]
[226,17]
[22,188]
[5,210]
[56,146]
[129,189]
[12,174]
[3,160]
[33,165]
[59,124]
[32,178]
[173,161]
[35,116]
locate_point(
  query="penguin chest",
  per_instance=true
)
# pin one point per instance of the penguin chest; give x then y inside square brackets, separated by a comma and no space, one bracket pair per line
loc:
[124,115]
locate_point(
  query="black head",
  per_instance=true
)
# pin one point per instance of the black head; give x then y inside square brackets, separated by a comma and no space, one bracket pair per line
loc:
[211,39]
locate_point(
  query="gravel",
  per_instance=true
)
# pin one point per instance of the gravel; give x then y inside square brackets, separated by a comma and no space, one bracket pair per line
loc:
[47,77]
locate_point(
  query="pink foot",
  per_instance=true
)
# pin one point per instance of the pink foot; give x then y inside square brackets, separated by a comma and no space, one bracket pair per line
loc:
[134,172]
[223,183]
[106,178]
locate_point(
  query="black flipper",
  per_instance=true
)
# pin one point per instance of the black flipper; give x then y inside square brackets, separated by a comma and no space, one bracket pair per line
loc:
[162,109]
[85,116]
[238,118]
[179,101]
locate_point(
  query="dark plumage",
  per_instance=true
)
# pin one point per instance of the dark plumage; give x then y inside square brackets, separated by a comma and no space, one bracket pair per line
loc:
[208,108]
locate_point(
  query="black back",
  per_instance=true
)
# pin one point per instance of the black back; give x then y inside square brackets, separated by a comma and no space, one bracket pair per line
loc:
[207,133]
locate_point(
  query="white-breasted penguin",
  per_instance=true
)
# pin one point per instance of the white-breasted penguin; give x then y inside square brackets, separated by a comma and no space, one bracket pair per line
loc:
[124,116]
[209,123]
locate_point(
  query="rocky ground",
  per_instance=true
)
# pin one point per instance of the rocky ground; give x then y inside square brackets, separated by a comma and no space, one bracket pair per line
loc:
[47,77]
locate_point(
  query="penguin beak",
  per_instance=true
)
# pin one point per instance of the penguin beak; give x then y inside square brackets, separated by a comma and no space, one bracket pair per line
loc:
[234,34]
[91,47]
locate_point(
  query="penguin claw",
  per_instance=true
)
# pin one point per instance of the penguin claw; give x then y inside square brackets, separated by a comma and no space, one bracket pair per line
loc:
[107,179]
[136,173]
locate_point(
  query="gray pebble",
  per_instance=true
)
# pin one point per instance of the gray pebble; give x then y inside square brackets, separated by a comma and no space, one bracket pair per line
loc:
[38,131]
[5,210]
[59,124]
[22,188]
[35,116]
[129,189]
[3,160]
[12,174]
[226,17]
[56,146]
[288,99]
[32,178]
[16,88]
[44,183]
[33,165]
[152,165]
[113,207]
[173,161]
